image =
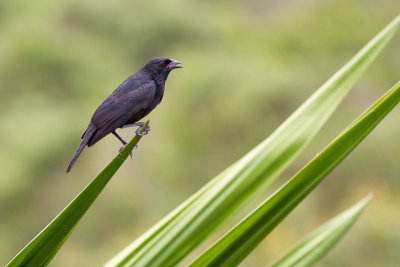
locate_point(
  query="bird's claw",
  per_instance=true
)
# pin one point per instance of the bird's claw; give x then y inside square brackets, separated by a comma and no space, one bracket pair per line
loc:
[144,132]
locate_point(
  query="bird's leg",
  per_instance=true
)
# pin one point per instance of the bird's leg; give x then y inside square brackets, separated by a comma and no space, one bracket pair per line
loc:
[123,142]
[140,124]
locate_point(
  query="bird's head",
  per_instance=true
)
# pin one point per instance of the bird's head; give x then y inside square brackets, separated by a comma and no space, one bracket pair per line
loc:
[162,66]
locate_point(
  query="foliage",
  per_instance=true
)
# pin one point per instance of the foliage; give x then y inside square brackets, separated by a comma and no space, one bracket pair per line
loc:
[320,241]
[233,247]
[182,230]
[41,250]
[247,65]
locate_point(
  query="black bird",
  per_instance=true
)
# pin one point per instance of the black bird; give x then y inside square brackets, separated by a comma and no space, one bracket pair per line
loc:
[135,98]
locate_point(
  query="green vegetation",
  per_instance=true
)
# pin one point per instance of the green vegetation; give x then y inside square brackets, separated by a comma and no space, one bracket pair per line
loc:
[41,250]
[247,66]
[317,244]
[233,247]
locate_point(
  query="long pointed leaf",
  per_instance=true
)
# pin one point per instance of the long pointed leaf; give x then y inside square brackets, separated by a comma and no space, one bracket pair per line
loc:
[319,242]
[182,230]
[233,247]
[169,241]
[46,244]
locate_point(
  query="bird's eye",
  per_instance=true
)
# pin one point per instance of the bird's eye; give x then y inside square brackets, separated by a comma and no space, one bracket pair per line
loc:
[167,61]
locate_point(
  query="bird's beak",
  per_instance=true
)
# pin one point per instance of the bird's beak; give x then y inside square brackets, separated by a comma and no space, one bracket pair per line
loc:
[175,64]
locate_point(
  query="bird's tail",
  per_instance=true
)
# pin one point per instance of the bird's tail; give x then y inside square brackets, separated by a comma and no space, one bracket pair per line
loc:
[85,139]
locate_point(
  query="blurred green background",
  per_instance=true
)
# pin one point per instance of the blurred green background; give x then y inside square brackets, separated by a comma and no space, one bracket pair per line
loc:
[248,65]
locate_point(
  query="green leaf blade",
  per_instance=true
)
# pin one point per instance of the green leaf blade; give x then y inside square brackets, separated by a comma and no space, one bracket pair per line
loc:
[318,243]
[46,244]
[169,242]
[232,248]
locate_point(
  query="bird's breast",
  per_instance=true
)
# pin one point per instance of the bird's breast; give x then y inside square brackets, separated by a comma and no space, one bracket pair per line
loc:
[159,93]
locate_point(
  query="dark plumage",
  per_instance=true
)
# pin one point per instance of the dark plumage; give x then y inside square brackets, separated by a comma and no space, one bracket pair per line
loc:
[135,98]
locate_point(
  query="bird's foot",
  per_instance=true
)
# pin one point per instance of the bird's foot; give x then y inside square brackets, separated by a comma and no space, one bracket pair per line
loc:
[146,131]
[122,147]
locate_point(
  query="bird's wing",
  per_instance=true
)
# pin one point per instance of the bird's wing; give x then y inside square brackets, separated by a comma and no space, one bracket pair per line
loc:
[120,107]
